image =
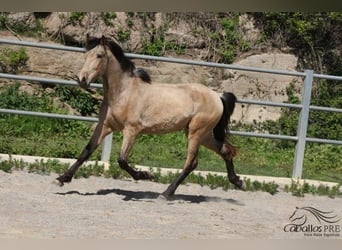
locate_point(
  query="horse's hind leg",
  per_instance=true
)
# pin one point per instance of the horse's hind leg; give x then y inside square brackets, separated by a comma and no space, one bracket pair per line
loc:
[100,132]
[129,137]
[227,152]
[189,166]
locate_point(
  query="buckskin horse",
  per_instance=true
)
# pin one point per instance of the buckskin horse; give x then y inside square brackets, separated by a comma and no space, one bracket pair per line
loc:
[132,105]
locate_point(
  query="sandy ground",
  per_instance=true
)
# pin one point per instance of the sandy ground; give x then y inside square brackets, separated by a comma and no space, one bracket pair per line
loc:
[100,208]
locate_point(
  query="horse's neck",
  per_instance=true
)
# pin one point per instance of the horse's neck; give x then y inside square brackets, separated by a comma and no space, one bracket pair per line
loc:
[114,86]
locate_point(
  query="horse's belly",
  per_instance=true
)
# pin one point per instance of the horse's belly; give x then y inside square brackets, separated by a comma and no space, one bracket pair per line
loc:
[165,124]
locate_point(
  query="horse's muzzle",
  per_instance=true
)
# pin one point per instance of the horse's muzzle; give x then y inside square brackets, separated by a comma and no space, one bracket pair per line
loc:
[82,82]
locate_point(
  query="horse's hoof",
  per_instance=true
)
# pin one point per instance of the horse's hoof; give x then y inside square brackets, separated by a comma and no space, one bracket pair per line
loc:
[149,175]
[162,197]
[62,179]
[243,186]
[143,175]
[58,183]
[165,196]
[238,183]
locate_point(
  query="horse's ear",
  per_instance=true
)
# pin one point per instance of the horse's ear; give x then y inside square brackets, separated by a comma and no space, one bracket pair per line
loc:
[103,40]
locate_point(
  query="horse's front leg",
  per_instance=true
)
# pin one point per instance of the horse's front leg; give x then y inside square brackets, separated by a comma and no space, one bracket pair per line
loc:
[129,137]
[100,132]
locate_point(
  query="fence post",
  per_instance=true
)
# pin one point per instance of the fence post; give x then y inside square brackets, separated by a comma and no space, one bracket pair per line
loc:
[302,125]
[106,150]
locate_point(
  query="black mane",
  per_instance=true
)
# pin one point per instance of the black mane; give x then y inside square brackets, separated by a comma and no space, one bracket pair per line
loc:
[126,64]
[142,74]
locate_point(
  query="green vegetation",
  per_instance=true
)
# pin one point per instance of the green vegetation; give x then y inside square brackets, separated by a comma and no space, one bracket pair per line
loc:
[12,60]
[123,35]
[76,17]
[314,37]
[78,99]
[34,29]
[153,48]
[300,190]
[230,40]
[159,45]
[3,20]
[221,34]
[108,18]
[34,135]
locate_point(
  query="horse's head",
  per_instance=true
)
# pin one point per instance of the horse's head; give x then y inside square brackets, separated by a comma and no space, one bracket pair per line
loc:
[105,58]
[96,61]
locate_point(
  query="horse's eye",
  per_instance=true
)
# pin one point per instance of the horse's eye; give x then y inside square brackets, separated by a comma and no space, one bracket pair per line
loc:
[99,56]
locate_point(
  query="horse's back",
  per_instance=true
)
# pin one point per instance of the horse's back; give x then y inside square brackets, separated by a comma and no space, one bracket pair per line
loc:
[194,97]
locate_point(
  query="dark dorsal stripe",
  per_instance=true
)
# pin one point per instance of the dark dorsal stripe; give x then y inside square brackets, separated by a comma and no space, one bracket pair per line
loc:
[126,64]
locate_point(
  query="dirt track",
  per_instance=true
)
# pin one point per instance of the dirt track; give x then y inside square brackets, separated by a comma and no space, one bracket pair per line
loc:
[99,208]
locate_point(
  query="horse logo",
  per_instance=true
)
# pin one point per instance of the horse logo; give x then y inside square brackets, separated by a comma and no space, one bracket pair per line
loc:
[309,219]
[301,215]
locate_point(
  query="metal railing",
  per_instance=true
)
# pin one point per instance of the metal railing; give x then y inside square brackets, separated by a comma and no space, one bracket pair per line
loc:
[305,107]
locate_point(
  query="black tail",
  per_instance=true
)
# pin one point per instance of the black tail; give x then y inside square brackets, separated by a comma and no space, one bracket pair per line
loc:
[228,100]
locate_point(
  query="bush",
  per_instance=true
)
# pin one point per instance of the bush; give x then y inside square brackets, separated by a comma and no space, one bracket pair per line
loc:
[12,60]
[108,18]
[76,17]
[80,100]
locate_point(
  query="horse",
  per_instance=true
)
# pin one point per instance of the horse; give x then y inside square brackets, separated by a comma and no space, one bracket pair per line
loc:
[133,105]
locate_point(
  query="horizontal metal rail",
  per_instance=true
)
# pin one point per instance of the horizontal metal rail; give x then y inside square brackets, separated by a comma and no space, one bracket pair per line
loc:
[268,103]
[42,45]
[45,80]
[328,77]
[49,115]
[268,136]
[327,109]
[284,137]
[326,141]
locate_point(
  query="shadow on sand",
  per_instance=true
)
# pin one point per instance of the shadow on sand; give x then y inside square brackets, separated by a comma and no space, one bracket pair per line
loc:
[150,196]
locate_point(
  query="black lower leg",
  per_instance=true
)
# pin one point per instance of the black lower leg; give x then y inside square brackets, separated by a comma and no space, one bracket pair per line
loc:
[170,191]
[233,178]
[227,152]
[67,176]
[137,175]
